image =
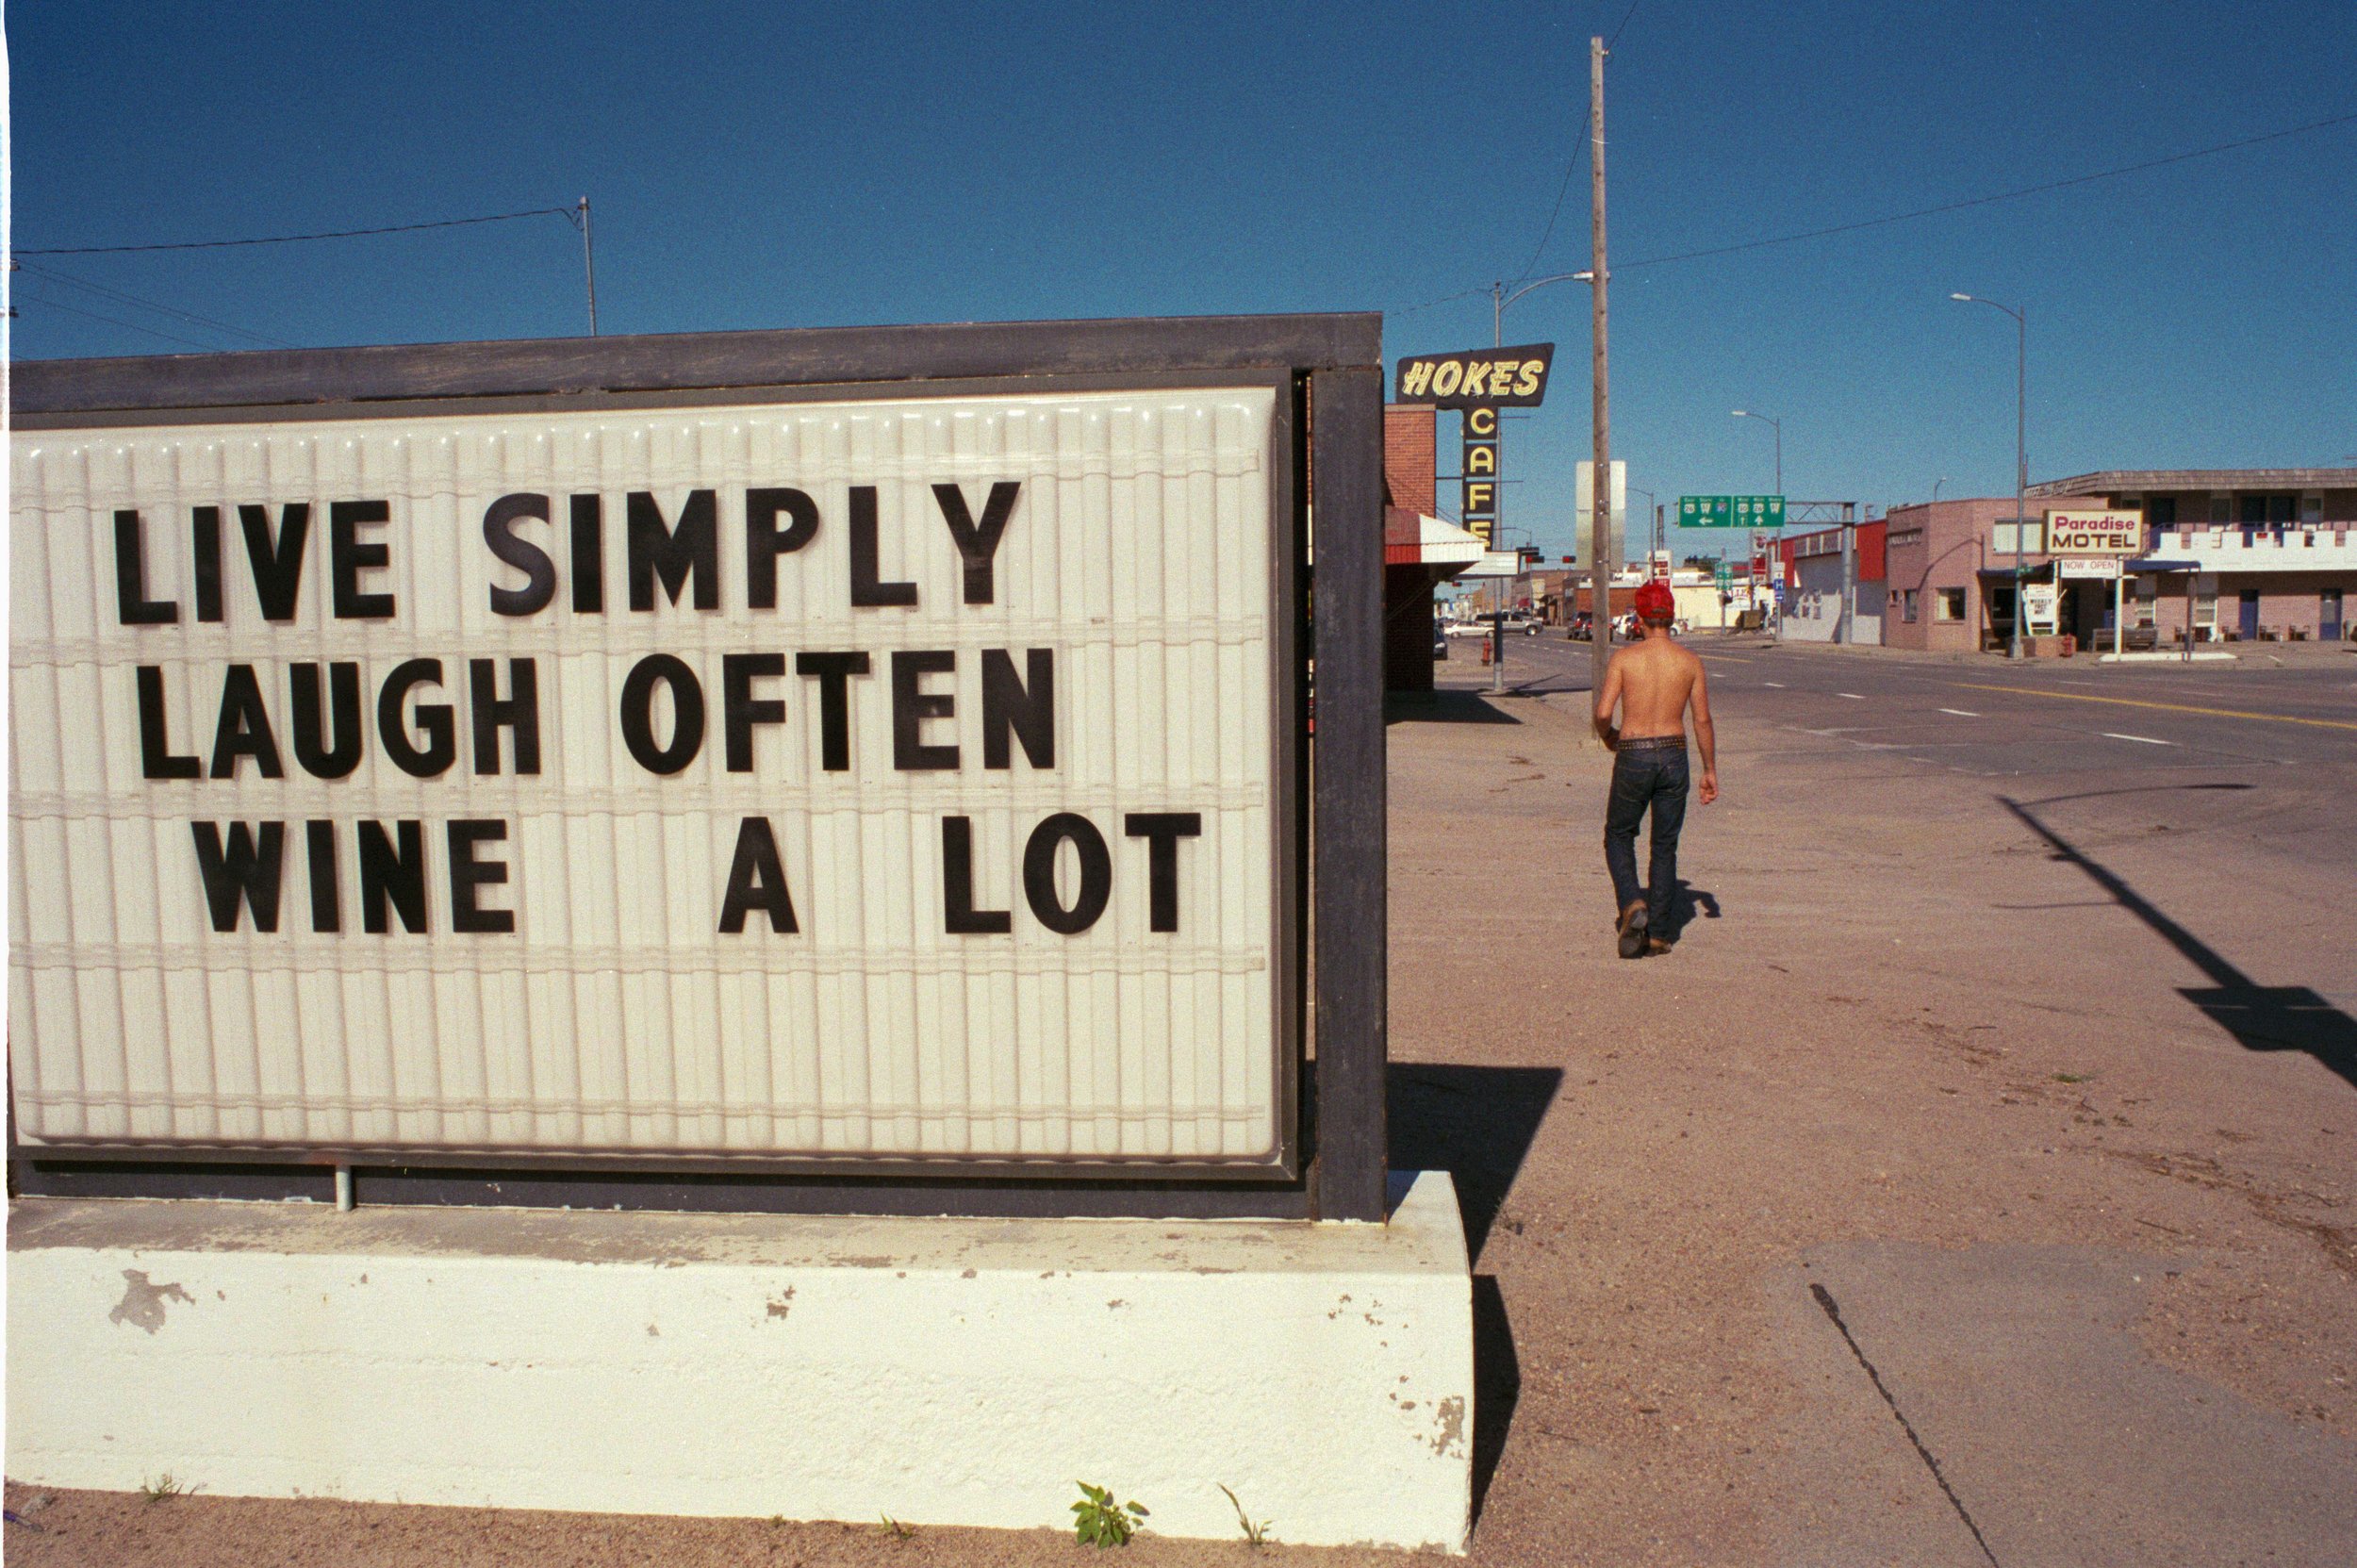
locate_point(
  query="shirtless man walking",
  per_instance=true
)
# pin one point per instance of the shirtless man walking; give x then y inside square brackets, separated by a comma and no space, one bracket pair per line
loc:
[1652,681]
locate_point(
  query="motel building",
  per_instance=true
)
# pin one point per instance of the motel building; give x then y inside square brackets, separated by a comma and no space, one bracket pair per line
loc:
[2243,554]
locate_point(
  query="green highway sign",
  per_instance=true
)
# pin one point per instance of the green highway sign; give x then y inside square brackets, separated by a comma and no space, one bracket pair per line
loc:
[1730,511]
[1722,574]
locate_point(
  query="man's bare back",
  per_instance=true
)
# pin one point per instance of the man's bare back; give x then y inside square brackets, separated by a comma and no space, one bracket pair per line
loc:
[1652,682]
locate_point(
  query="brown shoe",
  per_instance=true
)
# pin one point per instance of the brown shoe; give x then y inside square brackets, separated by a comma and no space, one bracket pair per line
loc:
[1632,929]
[1655,947]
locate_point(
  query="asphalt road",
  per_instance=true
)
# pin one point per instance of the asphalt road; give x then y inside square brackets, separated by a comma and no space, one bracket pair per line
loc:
[1992,719]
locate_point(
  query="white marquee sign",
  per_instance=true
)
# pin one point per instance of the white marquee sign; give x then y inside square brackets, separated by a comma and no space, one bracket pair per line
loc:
[886,779]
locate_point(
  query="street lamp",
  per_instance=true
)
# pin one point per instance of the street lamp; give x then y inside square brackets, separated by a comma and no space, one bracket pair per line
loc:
[2021,447]
[1653,534]
[1936,485]
[1500,299]
[1742,414]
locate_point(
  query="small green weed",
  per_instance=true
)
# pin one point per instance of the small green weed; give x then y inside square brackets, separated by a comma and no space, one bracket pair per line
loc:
[1257,1534]
[2075,1077]
[1102,1522]
[163,1486]
[894,1528]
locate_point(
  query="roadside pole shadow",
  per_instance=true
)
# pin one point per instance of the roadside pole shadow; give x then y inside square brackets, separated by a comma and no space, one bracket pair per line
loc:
[1477,1124]
[1442,706]
[2262,1018]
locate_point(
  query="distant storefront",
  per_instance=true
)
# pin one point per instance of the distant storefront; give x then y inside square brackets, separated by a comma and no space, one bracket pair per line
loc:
[2250,555]
[1813,583]
[2243,554]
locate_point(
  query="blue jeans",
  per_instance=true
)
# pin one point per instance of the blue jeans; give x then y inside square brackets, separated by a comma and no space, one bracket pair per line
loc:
[1645,776]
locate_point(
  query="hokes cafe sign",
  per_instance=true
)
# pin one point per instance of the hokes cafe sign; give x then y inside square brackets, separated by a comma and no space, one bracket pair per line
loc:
[1476,378]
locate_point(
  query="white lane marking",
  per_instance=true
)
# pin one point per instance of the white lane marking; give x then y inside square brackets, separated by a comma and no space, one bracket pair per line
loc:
[1851,694]
[1778,684]
[2113,734]
[1961,713]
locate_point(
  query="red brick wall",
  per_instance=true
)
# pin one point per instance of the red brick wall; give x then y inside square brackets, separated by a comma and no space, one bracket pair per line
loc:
[1408,457]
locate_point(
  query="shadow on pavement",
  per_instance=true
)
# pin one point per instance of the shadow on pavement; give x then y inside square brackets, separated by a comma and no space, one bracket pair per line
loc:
[1442,707]
[2262,1018]
[1477,1124]
[1498,1384]
[1691,904]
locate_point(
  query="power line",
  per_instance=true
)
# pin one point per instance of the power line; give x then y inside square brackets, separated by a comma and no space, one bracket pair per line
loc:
[189,315]
[1985,201]
[117,321]
[566,213]
[1572,167]
[1560,192]
[1445,299]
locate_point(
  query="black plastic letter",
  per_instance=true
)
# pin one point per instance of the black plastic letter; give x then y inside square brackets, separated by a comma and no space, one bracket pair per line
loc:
[319,850]
[243,873]
[978,544]
[588,555]
[348,556]
[467,874]
[321,757]
[204,560]
[740,710]
[757,881]
[1010,704]
[499,531]
[834,672]
[687,713]
[245,727]
[155,758]
[912,705]
[1039,873]
[278,565]
[957,884]
[673,555]
[1162,831]
[435,721]
[764,541]
[520,712]
[394,876]
[132,605]
[865,589]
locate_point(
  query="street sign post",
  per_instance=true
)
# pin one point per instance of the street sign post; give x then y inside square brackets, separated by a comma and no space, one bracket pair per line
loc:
[1731,511]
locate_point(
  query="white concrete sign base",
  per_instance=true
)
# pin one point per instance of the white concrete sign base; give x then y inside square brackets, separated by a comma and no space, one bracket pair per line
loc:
[942,1371]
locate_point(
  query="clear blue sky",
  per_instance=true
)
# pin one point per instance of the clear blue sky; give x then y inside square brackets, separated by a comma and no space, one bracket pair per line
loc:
[786,165]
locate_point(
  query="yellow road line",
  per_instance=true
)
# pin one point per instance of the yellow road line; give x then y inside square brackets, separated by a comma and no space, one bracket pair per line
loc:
[1724,658]
[2172,707]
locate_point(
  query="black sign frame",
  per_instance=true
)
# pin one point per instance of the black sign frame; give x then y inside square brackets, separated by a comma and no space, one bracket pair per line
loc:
[1327,371]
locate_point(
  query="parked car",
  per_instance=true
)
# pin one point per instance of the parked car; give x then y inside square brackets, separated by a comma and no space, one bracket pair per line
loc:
[1467,628]
[1583,626]
[1525,623]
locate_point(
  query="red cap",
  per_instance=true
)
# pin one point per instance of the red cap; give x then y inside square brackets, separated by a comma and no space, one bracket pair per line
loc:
[1654,602]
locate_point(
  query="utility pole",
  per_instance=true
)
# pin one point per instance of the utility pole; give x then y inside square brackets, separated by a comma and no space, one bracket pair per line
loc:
[1600,509]
[590,264]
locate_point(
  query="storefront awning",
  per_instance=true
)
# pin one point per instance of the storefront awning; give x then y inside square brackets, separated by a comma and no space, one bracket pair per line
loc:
[1413,538]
